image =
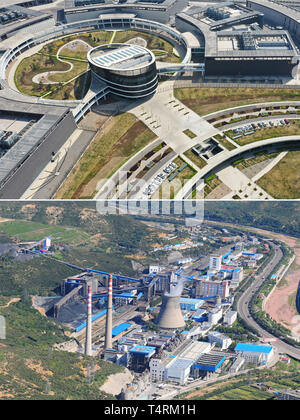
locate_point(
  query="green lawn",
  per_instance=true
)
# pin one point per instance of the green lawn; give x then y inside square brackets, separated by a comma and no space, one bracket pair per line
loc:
[124,137]
[283,180]
[224,142]
[207,100]
[197,160]
[153,43]
[32,231]
[190,133]
[246,163]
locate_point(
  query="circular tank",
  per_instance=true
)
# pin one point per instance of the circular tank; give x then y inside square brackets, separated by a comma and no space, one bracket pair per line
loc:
[129,70]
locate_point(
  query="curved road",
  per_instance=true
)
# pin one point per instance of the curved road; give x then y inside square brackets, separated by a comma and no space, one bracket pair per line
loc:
[243,306]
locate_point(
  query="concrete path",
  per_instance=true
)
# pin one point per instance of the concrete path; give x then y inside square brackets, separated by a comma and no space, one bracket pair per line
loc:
[168,118]
[237,182]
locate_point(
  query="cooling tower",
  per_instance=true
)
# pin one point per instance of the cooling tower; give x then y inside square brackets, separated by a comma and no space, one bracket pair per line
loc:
[170,315]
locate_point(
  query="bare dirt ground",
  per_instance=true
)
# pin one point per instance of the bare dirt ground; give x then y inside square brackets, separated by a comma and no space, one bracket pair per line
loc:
[13,300]
[2,220]
[115,383]
[278,306]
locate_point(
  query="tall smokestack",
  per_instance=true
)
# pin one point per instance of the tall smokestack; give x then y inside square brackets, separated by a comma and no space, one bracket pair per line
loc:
[88,338]
[108,329]
[170,315]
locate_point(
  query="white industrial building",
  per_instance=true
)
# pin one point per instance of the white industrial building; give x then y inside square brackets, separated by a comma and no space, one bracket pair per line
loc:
[215,262]
[215,315]
[255,353]
[230,317]
[158,369]
[221,339]
[155,269]
[177,368]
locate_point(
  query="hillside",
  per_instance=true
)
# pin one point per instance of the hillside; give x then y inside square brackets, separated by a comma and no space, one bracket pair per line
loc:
[279,216]
[31,369]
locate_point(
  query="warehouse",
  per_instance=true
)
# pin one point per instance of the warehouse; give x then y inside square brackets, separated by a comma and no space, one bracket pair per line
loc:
[255,353]
[208,362]
[187,304]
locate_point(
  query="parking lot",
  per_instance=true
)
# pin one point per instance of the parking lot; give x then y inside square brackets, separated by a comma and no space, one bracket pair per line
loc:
[159,179]
[249,129]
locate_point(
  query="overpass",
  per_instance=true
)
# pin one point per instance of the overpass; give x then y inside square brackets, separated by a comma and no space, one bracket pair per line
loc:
[182,67]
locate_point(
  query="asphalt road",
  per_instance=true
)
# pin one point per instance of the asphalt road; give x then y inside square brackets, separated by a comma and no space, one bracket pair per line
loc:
[243,308]
[49,188]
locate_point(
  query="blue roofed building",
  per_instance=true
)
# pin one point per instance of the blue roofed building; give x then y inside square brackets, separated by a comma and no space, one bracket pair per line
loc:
[255,353]
[188,304]
[121,328]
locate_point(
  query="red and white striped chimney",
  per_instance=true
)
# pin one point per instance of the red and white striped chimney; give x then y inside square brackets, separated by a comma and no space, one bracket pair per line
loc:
[108,330]
[88,339]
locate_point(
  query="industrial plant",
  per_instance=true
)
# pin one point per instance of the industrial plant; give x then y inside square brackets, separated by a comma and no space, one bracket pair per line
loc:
[163,324]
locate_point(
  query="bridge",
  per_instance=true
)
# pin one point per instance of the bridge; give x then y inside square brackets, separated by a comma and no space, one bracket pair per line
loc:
[181,67]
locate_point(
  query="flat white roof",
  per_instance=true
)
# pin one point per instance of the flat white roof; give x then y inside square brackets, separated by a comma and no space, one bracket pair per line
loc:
[123,57]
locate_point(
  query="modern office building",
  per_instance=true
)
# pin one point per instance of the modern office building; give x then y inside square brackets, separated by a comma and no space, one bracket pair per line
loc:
[129,70]
[282,15]
[159,11]
[238,44]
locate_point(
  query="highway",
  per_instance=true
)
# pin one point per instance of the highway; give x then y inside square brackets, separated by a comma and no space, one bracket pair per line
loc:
[243,305]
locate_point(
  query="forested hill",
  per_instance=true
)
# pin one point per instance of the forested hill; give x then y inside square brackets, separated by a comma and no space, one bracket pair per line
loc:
[278,216]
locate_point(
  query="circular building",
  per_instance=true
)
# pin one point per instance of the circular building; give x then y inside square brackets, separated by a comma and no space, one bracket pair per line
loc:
[129,70]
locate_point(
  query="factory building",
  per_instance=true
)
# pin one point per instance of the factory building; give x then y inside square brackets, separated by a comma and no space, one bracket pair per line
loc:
[230,317]
[200,315]
[207,364]
[255,353]
[212,288]
[222,340]
[215,315]
[188,304]
[177,368]
[281,15]
[158,369]
[156,269]
[140,357]
[237,364]
[237,277]
[157,283]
